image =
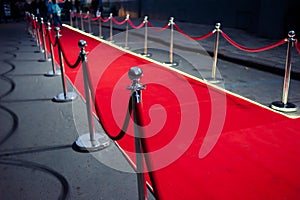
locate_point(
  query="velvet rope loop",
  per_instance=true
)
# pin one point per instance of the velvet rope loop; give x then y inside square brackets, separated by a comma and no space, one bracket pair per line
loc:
[65,58]
[158,29]
[95,18]
[191,37]
[86,16]
[117,22]
[255,49]
[104,20]
[122,132]
[134,26]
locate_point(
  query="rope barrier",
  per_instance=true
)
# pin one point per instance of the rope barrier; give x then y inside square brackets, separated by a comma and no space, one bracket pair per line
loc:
[281,42]
[134,26]
[158,29]
[65,58]
[86,16]
[122,132]
[191,37]
[117,22]
[95,18]
[104,20]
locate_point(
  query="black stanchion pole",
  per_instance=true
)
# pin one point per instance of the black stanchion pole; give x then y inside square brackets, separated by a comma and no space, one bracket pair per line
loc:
[136,88]
[284,105]
[91,141]
[65,96]
[54,71]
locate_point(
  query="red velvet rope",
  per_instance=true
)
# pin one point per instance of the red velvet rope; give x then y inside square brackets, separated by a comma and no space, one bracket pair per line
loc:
[104,20]
[95,18]
[134,26]
[158,29]
[297,45]
[193,38]
[253,50]
[119,23]
[86,16]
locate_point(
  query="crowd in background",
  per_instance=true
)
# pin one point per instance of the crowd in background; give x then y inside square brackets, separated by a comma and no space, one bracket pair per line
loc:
[52,11]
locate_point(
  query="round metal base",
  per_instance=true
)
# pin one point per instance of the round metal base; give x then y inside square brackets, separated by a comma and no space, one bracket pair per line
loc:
[214,80]
[101,37]
[171,64]
[45,60]
[127,48]
[279,106]
[62,98]
[83,142]
[146,54]
[51,73]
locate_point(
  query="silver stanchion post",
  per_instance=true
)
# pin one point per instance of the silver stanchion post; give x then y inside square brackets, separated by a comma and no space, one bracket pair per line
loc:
[89,21]
[71,18]
[126,33]
[136,88]
[100,24]
[54,71]
[111,27]
[171,62]
[38,36]
[284,105]
[213,78]
[44,43]
[145,53]
[91,141]
[65,96]
[81,21]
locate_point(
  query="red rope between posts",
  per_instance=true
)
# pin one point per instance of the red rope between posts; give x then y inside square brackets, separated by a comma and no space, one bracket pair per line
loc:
[193,38]
[104,20]
[119,23]
[95,18]
[158,29]
[255,49]
[134,26]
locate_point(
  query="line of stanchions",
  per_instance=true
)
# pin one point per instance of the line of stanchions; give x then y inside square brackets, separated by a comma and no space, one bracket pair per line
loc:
[94,141]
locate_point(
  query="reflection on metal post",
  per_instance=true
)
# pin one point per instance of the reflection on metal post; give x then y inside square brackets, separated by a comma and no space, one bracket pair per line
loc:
[71,18]
[145,53]
[111,27]
[76,19]
[100,24]
[81,21]
[126,33]
[89,21]
[284,105]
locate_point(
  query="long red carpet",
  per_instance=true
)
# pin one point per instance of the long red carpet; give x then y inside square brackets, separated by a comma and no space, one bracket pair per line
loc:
[203,143]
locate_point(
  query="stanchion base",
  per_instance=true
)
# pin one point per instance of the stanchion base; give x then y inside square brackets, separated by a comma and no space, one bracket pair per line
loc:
[51,73]
[101,37]
[214,80]
[127,48]
[61,97]
[146,54]
[45,60]
[279,106]
[171,64]
[83,142]
[112,41]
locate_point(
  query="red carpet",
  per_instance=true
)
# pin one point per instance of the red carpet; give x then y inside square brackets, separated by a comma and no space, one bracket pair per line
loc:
[204,143]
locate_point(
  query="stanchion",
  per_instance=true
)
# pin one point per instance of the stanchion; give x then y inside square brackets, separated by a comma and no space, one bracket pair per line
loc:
[136,88]
[76,19]
[126,33]
[44,43]
[100,24]
[54,71]
[111,28]
[71,18]
[284,105]
[81,20]
[65,96]
[91,141]
[171,62]
[213,78]
[35,31]
[38,35]
[89,21]
[145,53]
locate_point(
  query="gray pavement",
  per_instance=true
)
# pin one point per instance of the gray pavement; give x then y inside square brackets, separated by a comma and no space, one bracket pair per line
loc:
[36,135]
